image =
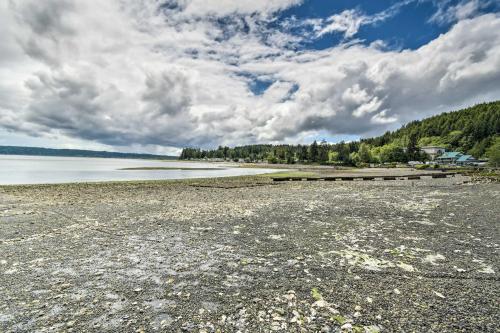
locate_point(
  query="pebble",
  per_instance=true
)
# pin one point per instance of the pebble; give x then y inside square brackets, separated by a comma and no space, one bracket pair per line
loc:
[347,327]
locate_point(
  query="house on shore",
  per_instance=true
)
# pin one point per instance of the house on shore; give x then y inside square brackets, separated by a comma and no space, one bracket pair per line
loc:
[449,157]
[433,151]
[467,160]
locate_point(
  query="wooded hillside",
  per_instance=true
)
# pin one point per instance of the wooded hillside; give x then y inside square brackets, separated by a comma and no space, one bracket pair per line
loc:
[474,130]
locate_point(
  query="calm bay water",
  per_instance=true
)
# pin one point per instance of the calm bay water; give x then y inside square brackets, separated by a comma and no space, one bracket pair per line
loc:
[49,170]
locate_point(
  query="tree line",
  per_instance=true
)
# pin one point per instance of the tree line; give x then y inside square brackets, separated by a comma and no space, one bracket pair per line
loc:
[474,131]
[343,153]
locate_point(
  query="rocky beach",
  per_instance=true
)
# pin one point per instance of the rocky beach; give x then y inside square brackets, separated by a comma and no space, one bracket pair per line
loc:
[247,254]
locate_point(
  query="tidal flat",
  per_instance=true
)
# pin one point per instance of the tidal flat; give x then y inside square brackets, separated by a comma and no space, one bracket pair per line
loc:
[247,254]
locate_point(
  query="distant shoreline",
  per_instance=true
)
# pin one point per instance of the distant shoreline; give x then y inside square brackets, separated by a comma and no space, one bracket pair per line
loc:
[97,157]
[52,152]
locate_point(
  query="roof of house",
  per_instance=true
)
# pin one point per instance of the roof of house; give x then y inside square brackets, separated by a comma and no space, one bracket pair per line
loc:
[432,147]
[465,158]
[451,154]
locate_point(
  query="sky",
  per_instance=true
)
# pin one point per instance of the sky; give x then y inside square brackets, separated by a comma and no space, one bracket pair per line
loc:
[158,75]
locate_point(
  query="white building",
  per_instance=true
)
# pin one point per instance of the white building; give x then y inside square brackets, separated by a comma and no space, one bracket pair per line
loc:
[433,151]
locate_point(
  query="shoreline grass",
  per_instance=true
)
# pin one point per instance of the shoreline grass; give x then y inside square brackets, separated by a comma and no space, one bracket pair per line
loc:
[288,174]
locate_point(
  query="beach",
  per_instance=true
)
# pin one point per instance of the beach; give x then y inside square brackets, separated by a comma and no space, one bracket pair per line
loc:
[246,254]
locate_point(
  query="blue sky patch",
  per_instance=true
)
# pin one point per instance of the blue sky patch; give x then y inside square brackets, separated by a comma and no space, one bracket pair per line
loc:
[408,24]
[258,86]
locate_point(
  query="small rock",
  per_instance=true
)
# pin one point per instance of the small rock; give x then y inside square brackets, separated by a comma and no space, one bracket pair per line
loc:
[438,294]
[346,327]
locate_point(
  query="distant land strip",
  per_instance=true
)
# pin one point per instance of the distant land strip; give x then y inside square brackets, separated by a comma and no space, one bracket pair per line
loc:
[37,151]
[173,168]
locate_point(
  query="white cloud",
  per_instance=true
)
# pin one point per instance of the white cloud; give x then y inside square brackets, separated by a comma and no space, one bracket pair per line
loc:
[125,74]
[451,13]
[349,21]
[227,7]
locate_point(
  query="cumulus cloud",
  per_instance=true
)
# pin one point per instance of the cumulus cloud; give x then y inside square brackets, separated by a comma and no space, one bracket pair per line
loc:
[167,93]
[169,74]
[227,7]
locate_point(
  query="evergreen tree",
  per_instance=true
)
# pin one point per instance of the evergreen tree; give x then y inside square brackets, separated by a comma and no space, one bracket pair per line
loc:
[313,152]
[411,149]
[303,153]
[323,152]
[493,153]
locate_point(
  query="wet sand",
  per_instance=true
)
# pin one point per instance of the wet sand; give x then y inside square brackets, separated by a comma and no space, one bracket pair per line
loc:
[246,254]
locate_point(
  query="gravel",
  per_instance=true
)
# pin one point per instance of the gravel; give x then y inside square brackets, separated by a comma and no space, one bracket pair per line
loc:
[249,255]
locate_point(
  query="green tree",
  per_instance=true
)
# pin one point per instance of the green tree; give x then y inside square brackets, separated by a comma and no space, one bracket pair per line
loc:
[354,158]
[323,152]
[302,153]
[333,156]
[493,153]
[392,153]
[272,159]
[479,149]
[412,150]
[313,152]
[343,153]
[364,154]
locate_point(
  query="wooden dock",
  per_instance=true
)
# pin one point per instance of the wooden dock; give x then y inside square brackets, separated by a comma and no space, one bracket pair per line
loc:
[367,178]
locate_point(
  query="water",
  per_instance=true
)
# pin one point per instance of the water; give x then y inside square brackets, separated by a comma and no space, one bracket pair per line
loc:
[49,170]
